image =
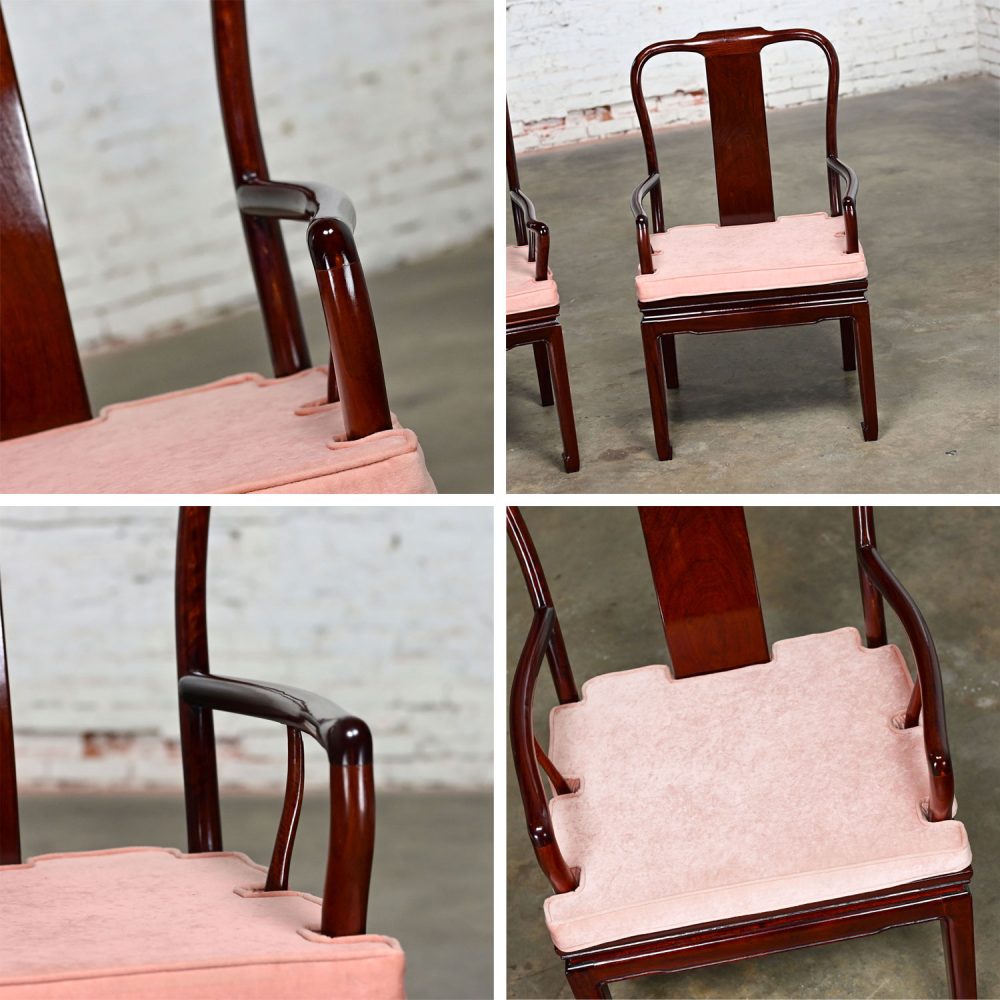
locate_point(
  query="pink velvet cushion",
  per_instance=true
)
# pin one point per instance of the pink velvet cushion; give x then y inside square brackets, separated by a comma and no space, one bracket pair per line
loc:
[243,434]
[741,792]
[794,250]
[523,292]
[148,922]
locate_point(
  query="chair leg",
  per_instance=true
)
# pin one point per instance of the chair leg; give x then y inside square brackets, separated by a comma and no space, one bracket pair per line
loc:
[669,348]
[847,344]
[866,372]
[544,375]
[656,379]
[960,948]
[586,986]
[563,398]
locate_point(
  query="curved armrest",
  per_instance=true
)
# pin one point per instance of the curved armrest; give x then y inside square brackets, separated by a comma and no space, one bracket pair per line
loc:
[874,569]
[537,234]
[848,205]
[642,222]
[357,379]
[523,747]
[348,745]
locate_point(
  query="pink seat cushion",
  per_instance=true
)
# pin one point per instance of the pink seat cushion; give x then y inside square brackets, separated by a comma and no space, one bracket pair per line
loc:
[705,260]
[148,922]
[243,434]
[741,792]
[524,293]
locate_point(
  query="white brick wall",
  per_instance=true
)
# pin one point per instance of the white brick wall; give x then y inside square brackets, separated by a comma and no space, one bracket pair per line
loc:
[387,611]
[391,101]
[988,31]
[568,61]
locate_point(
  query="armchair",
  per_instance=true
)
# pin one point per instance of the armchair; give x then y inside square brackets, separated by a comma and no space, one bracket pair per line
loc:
[753,270]
[738,803]
[221,925]
[313,429]
[533,307]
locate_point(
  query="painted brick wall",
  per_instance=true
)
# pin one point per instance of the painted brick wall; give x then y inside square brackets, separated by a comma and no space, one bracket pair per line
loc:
[568,60]
[988,31]
[390,101]
[388,611]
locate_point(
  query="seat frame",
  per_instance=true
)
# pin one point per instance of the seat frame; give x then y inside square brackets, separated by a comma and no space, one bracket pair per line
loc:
[745,196]
[703,575]
[541,327]
[41,379]
[345,738]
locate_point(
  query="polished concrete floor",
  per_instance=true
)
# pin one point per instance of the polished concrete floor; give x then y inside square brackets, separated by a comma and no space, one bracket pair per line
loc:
[947,557]
[772,411]
[435,321]
[432,885]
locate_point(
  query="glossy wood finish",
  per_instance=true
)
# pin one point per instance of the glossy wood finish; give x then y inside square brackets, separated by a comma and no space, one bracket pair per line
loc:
[41,381]
[704,579]
[745,195]
[284,842]
[540,327]
[345,738]
[10,828]
[268,258]
[706,587]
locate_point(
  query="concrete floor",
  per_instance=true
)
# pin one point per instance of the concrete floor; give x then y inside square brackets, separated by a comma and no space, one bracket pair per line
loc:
[772,411]
[597,568]
[435,320]
[432,885]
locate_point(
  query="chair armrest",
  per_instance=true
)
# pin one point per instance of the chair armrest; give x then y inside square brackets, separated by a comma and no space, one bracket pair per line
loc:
[642,222]
[848,205]
[537,234]
[348,745]
[357,378]
[874,569]
[524,749]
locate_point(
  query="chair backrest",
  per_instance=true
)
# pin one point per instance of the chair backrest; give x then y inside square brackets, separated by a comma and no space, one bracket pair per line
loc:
[514,184]
[739,124]
[41,380]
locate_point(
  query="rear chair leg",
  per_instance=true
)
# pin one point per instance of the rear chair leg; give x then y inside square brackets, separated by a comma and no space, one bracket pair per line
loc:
[960,948]
[669,348]
[563,398]
[847,344]
[656,379]
[544,375]
[866,372]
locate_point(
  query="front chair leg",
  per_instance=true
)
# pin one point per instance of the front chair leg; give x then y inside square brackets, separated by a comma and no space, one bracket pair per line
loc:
[960,948]
[556,353]
[656,379]
[544,375]
[586,985]
[866,372]
[847,343]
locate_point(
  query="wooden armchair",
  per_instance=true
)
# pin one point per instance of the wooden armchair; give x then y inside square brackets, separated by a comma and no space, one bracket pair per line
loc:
[752,270]
[737,804]
[155,922]
[308,430]
[533,307]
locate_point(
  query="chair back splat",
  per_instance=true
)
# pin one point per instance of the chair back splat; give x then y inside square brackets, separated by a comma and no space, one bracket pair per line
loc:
[739,125]
[41,381]
[706,587]
[10,832]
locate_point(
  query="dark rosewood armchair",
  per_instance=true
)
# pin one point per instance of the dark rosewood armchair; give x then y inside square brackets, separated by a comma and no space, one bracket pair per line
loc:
[308,430]
[155,922]
[752,270]
[737,803]
[533,307]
